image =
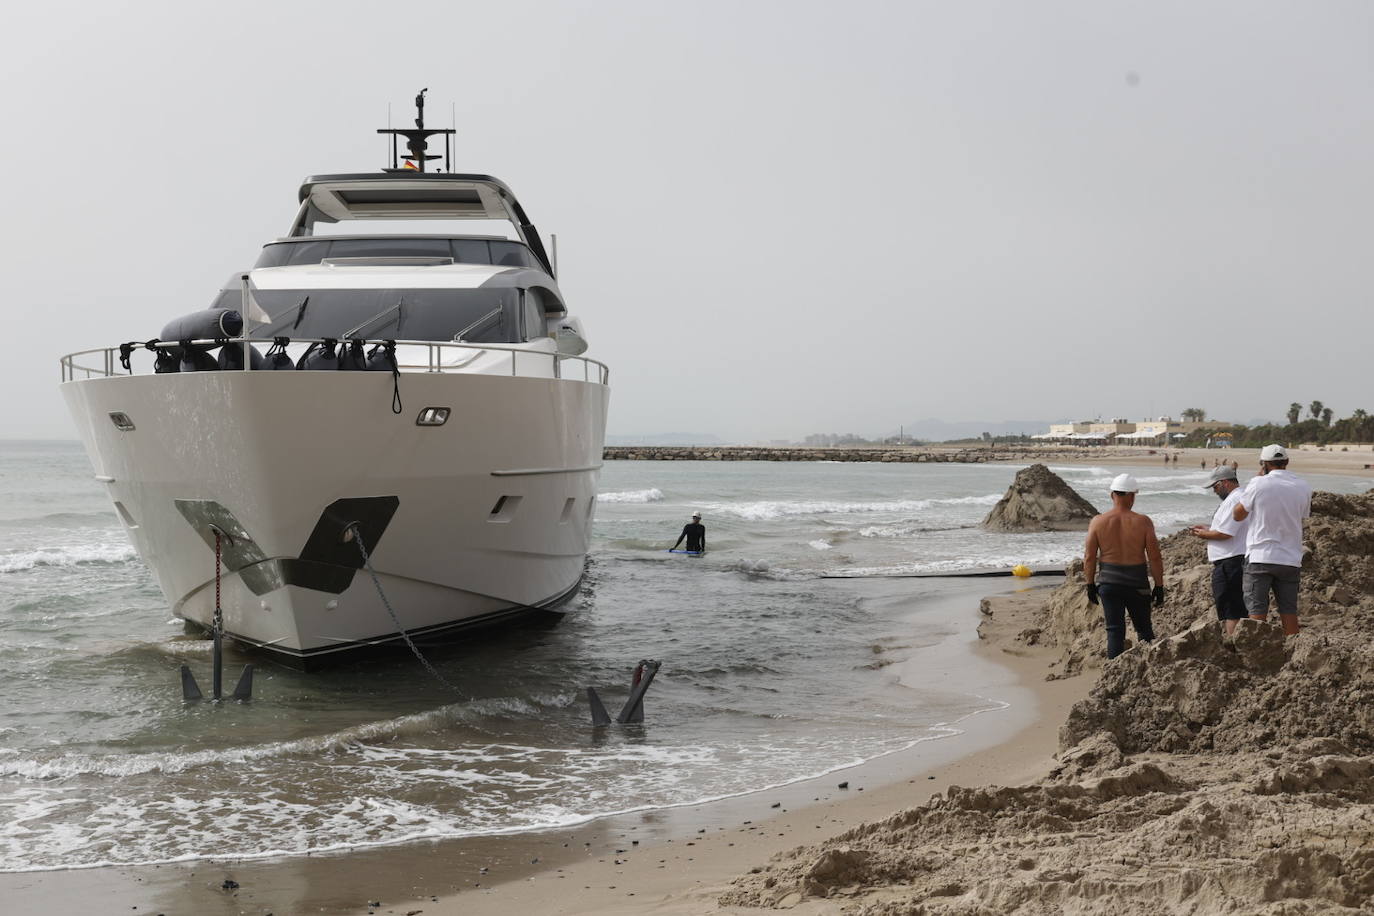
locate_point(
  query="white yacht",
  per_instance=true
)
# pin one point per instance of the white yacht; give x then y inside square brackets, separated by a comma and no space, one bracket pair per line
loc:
[436,407]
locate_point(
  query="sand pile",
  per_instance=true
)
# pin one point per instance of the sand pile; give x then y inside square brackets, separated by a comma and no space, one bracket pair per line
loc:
[1039,500]
[1201,775]
[1285,834]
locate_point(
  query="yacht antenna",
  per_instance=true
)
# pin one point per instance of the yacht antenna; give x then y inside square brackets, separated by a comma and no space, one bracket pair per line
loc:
[417,140]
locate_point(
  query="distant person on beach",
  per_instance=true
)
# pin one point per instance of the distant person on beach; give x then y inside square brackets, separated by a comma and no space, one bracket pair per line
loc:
[1120,558]
[694,532]
[1276,502]
[1225,539]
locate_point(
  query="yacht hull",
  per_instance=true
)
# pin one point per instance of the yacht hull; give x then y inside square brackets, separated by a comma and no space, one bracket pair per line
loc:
[478,520]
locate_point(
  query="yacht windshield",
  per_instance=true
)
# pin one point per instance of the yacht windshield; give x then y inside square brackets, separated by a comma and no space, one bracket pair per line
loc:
[499,252]
[402,314]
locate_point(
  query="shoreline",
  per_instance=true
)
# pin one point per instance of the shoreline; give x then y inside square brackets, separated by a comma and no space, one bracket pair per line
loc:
[700,845]
[1353,463]
[673,880]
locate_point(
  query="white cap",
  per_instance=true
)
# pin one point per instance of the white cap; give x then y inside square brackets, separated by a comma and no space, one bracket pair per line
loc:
[696,515]
[1273,453]
[1125,483]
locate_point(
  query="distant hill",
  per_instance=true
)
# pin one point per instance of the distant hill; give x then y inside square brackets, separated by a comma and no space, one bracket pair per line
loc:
[667,439]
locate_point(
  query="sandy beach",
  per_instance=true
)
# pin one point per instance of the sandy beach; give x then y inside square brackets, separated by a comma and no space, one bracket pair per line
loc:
[1356,462]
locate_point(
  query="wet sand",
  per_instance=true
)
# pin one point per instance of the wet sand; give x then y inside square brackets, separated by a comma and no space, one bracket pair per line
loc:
[672,858]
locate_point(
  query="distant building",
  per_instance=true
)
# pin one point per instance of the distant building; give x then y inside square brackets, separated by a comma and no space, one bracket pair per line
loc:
[1158,431]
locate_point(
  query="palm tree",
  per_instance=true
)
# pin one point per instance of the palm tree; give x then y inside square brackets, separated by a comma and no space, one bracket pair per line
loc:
[1326,417]
[1194,414]
[1294,411]
[1316,408]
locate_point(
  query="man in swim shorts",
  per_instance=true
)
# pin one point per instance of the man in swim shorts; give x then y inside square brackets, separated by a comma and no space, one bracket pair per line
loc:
[695,534]
[1275,502]
[1120,557]
[1225,539]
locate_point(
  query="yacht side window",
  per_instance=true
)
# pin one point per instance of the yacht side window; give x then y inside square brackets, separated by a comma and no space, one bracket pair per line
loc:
[535,326]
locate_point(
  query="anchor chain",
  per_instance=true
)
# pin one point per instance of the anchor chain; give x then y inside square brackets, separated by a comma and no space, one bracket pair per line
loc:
[367,564]
[217,622]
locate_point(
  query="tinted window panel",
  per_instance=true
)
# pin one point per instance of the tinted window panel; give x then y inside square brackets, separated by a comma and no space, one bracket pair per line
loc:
[287,253]
[471,251]
[510,254]
[390,248]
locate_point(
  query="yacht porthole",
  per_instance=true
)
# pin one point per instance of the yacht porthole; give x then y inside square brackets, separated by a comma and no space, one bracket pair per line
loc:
[121,421]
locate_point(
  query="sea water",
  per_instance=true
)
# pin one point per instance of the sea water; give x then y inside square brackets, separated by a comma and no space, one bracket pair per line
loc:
[771,674]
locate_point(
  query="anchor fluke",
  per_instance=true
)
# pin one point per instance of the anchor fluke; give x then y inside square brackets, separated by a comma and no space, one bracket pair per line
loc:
[190,690]
[599,714]
[244,689]
[633,710]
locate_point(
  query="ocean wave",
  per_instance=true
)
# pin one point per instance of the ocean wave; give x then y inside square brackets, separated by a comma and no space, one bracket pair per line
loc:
[69,765]
[66,556]
[1079,469]
[765,510]
[651,495]
[820,544]
[63,519]
[907,530]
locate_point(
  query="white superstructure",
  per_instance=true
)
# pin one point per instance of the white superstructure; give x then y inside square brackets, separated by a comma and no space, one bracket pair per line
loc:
[433,401]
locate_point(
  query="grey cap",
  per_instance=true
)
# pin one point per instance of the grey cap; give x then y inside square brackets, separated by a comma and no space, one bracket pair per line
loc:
[1219,473]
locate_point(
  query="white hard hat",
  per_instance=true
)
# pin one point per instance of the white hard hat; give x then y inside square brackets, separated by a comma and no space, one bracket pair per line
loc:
[1125,483]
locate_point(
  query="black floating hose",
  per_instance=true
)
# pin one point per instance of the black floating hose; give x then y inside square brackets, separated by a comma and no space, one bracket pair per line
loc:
[968,574]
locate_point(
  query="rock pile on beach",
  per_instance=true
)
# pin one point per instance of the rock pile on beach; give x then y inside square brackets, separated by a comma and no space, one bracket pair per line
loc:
[1202,774]
[1039,500]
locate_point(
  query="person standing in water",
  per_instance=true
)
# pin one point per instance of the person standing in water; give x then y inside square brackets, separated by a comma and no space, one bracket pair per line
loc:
[694,532]
[1120,557]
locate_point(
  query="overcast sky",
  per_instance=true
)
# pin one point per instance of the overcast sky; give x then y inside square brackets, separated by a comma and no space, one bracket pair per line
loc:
[773,218]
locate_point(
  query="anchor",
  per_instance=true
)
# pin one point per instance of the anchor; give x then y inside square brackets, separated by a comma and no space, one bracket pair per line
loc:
[633,710]
[190,690]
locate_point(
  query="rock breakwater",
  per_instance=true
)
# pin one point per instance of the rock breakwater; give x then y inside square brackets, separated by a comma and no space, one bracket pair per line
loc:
[971,455]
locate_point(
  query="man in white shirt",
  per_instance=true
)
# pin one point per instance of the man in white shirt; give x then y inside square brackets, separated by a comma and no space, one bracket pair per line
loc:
[1276,502]
[1226,548]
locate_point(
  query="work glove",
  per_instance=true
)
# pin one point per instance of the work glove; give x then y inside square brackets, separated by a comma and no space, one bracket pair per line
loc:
[1092,593]
[1158,595]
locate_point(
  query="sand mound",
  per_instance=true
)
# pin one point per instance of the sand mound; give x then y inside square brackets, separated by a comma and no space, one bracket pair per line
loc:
[1201,775]
[1039,500]
[1250,834]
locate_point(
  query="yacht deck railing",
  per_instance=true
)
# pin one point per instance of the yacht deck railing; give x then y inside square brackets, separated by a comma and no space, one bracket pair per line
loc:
[111,360]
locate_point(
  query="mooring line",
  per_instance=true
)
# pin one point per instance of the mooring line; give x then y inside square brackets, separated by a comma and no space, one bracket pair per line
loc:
[367,564]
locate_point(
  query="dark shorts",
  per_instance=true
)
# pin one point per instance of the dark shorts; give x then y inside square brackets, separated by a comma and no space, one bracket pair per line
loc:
[1228,588]
[1263,578]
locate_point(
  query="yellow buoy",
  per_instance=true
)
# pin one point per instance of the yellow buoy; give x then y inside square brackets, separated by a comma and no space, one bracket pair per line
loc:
[1021,571]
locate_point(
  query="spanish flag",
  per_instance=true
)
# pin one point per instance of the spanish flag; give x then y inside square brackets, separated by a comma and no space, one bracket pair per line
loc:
[409,165]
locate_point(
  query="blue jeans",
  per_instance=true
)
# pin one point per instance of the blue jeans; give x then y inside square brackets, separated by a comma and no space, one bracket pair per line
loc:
[1117,602]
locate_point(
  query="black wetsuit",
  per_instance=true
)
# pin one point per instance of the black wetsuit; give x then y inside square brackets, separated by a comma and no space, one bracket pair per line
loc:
[695,533]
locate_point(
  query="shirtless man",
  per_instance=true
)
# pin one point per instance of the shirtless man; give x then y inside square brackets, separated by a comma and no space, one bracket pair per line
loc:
[1120,545]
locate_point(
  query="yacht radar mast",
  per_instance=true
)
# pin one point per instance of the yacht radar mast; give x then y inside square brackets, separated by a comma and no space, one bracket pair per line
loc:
[417,142]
